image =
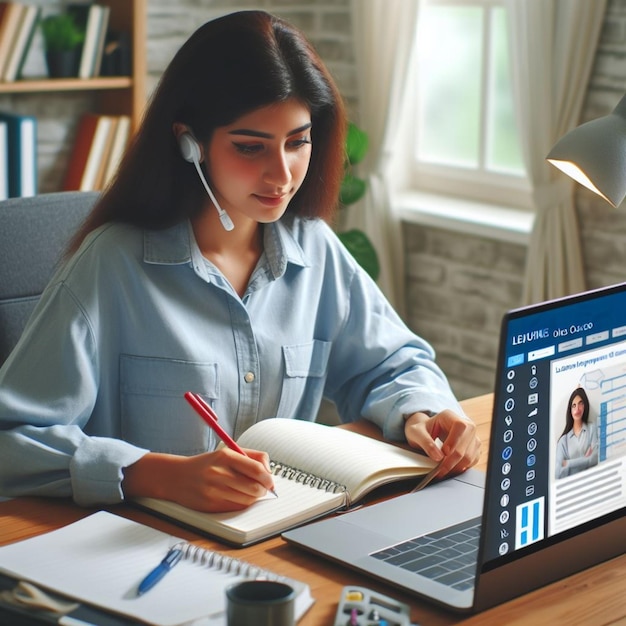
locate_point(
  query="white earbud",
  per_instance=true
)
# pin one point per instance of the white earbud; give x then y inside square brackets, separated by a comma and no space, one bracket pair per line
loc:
[190,151]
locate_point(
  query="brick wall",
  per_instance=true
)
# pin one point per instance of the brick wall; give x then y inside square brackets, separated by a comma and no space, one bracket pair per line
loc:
[458,287]
[326,24]
[603,229]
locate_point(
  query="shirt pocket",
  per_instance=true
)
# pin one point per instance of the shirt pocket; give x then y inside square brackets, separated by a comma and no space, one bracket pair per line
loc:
[305,367]
[155,414]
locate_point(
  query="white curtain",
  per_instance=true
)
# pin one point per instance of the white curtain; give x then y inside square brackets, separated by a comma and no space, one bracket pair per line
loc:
[553,43]
[383,34]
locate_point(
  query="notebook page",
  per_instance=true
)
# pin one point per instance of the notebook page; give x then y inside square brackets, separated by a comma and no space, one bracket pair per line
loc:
[345,457]
[101,560]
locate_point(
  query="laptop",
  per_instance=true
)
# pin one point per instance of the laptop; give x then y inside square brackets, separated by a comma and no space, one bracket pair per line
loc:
[534,516]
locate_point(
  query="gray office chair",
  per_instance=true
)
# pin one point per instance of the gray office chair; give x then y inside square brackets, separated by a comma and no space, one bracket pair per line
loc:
[33,235]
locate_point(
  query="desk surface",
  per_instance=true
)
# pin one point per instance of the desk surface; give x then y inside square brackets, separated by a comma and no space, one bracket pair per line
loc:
[595,596]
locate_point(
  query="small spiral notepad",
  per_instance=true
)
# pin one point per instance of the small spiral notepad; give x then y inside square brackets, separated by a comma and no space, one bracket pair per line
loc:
[101,559]
[223,563]
[317,469]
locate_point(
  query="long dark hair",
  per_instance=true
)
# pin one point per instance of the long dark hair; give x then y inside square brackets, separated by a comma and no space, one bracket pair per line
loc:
[227,68]
[569,420]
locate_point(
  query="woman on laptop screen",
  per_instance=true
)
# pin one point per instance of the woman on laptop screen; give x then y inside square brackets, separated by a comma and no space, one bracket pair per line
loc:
[208,265]
[577,447]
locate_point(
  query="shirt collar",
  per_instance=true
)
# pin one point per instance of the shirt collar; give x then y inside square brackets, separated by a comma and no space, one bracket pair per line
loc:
[582,430]
[281,247]
[176,245]
[170,246]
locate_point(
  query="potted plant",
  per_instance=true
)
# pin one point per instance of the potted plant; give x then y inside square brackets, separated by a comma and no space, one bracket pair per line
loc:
[62,39]
[352,190]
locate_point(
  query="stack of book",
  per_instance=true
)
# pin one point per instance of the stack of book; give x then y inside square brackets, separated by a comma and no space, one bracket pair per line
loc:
[18,155]
[98,148]
[18,23]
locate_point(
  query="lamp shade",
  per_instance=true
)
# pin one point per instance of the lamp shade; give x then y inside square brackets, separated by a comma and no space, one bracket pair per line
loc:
[594,154]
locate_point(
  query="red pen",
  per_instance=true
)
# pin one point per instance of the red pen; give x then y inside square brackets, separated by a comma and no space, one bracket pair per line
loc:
[210,417]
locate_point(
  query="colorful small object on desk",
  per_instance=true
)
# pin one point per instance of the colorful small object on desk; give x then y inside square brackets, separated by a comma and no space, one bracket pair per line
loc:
[359,606]
[354,617]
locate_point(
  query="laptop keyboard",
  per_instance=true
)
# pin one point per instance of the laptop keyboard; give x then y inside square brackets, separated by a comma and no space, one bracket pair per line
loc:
[447,556]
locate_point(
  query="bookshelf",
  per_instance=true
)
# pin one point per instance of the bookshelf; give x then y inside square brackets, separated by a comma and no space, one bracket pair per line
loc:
[113,95]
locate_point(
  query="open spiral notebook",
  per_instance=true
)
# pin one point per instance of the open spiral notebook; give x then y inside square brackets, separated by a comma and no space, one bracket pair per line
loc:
[317,469]
[101,559]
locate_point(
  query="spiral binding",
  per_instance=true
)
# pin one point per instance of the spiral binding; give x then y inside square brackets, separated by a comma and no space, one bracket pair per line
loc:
[306,478]
[224,563]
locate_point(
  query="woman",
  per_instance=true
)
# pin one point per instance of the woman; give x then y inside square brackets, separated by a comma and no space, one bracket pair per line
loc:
[577,447]
[208,266]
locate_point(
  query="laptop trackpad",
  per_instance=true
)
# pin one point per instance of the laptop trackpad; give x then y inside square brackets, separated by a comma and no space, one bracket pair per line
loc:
[373,527]
[438,506]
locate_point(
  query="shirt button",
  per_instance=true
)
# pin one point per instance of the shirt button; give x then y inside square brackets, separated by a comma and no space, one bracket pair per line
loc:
[249,377]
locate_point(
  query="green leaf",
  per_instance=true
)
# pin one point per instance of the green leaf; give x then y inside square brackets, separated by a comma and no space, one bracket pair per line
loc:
[357,142]
[352,189]
[361,248]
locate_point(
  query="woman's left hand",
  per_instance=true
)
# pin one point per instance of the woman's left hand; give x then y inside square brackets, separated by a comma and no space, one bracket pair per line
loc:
[460,447]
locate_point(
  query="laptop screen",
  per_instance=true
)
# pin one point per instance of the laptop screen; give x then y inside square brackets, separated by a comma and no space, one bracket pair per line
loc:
[558,455]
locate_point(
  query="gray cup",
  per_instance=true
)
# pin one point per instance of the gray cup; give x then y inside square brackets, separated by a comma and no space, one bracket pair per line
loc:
[260,603]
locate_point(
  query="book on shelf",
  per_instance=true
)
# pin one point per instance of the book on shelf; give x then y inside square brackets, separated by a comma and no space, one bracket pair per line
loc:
[103,27]
[102,152]
[3,8]
[22,152]
[119,144]
[10,17]
[100,560]
[77,178]
[317,469]
[21,43]
[100,139]
[117,56]
[93,19]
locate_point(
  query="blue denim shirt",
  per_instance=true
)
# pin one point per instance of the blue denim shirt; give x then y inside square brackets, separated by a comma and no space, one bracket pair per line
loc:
[136,318]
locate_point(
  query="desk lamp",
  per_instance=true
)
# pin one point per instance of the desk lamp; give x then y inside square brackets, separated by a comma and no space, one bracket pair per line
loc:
[594,154]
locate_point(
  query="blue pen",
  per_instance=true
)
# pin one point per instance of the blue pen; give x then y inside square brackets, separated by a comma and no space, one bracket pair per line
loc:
[171,558]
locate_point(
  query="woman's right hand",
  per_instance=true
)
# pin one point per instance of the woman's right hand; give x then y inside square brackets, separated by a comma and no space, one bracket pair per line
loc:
[213,482]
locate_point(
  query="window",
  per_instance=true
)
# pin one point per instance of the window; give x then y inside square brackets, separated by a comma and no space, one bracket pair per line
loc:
[466,139]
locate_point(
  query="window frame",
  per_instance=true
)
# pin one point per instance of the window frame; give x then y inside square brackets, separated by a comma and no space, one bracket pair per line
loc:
[479,184]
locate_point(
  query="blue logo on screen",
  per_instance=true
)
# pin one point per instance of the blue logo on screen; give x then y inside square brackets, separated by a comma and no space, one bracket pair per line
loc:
[529,522]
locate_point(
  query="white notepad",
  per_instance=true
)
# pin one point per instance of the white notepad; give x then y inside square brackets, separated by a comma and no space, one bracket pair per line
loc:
[101,559]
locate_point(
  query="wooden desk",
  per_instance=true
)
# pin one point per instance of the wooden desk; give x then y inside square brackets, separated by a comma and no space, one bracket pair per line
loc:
[595,596]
